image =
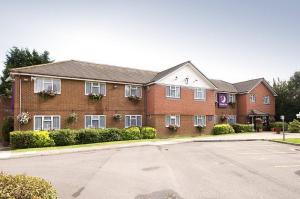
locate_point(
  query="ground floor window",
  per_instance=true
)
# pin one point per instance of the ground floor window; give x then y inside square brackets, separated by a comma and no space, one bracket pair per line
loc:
[95,121]
[133,120]
[46,122]
[199,120]
[172,120]
[231,119]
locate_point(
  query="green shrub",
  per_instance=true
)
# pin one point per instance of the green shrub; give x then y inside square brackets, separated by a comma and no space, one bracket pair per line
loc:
[131,133]
[148,132]
[25,187]
[30,139]
[222,129]
[279,125]
[63,137]
[110,134]
[7,127]
[86,136]
[242,128]
[294,126]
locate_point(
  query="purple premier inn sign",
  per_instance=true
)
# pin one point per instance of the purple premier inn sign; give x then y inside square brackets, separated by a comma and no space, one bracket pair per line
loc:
[222,100]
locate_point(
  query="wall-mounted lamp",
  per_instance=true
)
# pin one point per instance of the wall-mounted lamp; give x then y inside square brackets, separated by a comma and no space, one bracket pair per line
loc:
[186,80]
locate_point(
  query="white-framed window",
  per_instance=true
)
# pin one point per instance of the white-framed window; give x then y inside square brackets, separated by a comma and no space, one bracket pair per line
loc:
[231,98]
[46,122]
[133,120]
[47,84]
[267,100]
[173,91]
[252,98]
[133,90]
[172,120]
[95,121]
[199,120]
[200,93]
[95,87]
[231,119]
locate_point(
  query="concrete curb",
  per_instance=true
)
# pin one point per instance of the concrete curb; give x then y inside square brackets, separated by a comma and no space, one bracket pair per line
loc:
[281,142]
[16,155]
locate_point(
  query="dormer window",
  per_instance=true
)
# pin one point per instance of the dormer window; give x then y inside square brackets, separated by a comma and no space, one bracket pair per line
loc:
[133,91]
[47,84]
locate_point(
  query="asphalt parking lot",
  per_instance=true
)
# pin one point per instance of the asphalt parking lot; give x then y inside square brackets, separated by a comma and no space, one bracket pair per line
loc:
[253,169]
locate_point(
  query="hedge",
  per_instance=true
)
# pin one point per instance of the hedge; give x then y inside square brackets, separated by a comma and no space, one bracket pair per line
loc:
[222,129]
[242,128]
[30,139]
[294,126]
[25,187]
[279,124]
[63,137]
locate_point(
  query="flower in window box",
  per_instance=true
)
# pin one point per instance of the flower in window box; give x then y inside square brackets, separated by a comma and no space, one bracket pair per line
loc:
[134,98]
[24,118]
[117,117]
[47,93]
[95,96]
[173,127]
[200,128]
[73,117]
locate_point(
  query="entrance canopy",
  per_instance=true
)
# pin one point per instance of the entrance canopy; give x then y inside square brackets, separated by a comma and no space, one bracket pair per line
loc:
[254,112]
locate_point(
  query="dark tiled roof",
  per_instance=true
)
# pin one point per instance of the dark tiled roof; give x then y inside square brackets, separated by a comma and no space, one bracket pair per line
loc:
[223,86]
[86,70]
[257,112]
[246,86]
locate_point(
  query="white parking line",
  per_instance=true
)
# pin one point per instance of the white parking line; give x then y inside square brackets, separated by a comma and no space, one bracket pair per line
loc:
[287,166]
[258,153]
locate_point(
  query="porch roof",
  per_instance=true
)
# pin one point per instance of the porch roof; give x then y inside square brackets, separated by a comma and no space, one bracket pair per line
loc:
[255,112]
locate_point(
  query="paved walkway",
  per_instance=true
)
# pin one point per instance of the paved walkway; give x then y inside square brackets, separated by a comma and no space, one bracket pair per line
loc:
[7,154]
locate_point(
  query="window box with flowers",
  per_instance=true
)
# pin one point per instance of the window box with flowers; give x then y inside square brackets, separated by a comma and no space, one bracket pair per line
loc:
[117,117]
[173,127]
[45,94]
[95,96]
[24,118]
[134,98]
[73,118]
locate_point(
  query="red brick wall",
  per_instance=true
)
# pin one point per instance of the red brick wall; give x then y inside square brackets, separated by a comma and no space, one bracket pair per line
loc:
[73,98]
[158,106]
[245,106]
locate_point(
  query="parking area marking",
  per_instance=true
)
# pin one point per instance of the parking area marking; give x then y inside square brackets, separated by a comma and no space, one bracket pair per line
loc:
[286,166]
[270,153]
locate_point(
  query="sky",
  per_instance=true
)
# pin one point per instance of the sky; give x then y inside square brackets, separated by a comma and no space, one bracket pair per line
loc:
[232,40]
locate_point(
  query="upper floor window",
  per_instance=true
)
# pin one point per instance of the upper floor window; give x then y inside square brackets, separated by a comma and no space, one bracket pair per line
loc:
[231,98]
[133,90]
[200,93]
[172,120]
[252,98]
[95,121]
[266,99]
[95,87]
[47,84]
[173,91]
[231,119]
[199,120]
[133,120]
[46,122]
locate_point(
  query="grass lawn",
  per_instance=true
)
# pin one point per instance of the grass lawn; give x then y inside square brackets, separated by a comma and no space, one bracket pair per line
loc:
[290,140]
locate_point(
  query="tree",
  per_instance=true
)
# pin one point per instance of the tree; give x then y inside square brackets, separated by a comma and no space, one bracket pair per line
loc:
[20,57]
[288,99]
